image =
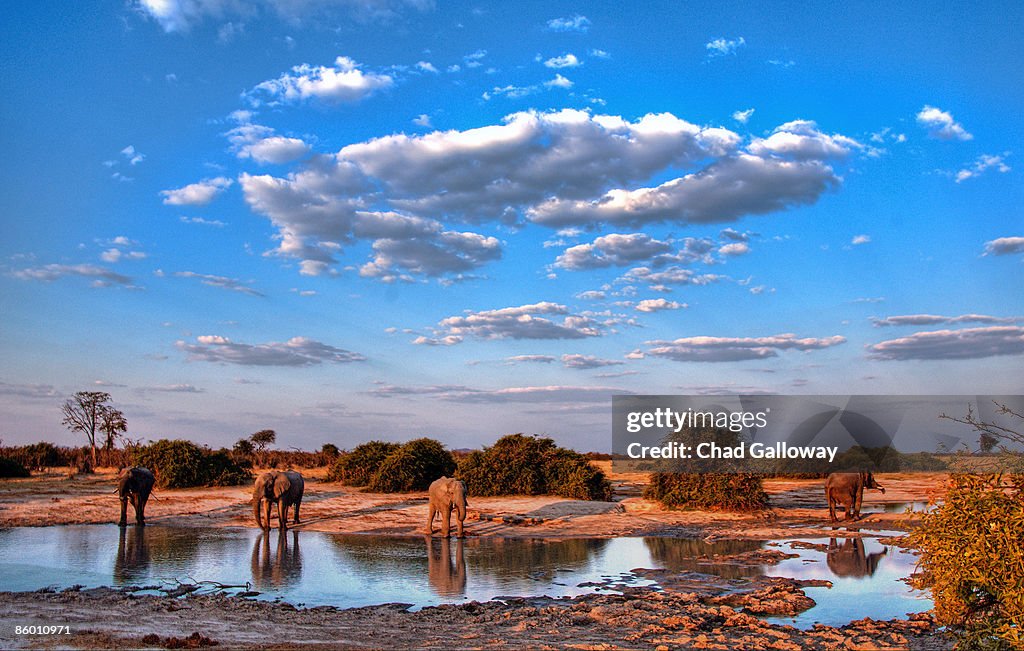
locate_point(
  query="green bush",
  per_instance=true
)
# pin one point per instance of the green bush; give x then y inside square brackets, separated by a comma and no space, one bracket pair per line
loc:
[357,468]
[528,465]
[39,455]
[724,486]
[708,491]
[570,474]
[222,469]
[972,558]
[412,467]
[11,468]
[886,459]
[183,464]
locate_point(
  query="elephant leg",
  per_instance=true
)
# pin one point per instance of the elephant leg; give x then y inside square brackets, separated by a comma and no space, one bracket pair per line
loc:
[459,522]
[123,522]
[140,508]
[269,510]
[446,517]
[295,520]
[851,499]
[430,519]
[282,515]
[831,505]
[859,501]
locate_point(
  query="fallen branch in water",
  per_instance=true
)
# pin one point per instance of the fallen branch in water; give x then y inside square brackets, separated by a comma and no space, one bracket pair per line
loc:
[180,588]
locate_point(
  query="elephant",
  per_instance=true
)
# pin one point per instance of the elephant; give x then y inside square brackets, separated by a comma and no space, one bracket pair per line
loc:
[134,484]
[847,490]
[850,559]
[446,494]
[284,488]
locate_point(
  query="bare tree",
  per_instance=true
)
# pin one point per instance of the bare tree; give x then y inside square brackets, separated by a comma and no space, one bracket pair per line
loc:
[1001,435]
[89,412]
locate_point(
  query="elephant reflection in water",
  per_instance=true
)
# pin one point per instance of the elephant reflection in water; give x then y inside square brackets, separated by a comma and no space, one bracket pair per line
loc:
[283,567]
[132,561]
[447,577]
[850,559]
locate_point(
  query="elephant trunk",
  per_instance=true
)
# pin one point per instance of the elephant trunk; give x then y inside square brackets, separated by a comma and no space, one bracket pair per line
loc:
[461,507]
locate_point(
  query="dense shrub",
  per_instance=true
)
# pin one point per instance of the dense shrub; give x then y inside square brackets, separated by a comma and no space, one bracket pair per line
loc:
[221,469]
[11,468]
[329,452]
[570,474]
[528,465]
[413,467]
[972,558]
[724,486]
[708,491]
[357,468]
[182,464]
[886,459]
[40,455]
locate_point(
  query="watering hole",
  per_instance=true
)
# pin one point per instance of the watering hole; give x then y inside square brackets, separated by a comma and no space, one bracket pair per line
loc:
[313,568]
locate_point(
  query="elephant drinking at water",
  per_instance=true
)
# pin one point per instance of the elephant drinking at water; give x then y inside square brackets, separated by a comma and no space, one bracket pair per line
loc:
[447,494]
[283,488]
[134,485]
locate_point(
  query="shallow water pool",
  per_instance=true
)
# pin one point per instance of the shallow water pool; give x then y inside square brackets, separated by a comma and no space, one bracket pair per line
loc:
[314,568]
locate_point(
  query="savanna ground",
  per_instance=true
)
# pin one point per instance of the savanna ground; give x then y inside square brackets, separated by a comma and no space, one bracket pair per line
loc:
[697,613]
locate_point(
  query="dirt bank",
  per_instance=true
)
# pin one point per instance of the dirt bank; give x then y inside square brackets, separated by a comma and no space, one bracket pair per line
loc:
[798,509]
[703,615]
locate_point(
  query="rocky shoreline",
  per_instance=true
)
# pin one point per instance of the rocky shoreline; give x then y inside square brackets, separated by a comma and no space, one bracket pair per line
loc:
[697,612]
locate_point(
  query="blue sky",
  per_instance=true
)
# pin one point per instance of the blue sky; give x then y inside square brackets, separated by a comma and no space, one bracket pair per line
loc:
[345,220]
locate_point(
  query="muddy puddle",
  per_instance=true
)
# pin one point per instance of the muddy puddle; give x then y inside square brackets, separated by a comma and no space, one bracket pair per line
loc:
[314,568]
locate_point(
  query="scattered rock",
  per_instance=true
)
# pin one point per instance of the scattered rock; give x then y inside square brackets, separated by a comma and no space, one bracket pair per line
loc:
[194,641]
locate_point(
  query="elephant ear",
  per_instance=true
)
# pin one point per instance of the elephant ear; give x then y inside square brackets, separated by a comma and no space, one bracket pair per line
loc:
[281,485]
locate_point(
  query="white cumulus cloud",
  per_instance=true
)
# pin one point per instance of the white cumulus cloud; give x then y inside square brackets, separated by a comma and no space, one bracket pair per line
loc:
[297,351]
[583,362]
[1004,246]
[968,343]
[723,46]
[935,319]
[575,23]
[567,60]
[734,349]
[196,194]
[941,125]
[657,305]
[983,163]
[342,82]
[743,116]
[542,320]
